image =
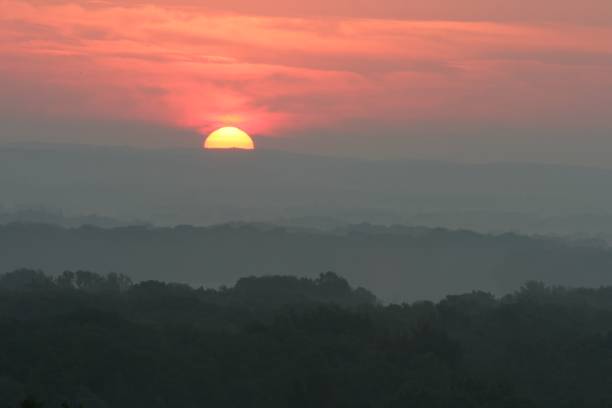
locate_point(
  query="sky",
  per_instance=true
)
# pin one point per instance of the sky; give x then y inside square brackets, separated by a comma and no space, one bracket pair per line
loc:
[446,79]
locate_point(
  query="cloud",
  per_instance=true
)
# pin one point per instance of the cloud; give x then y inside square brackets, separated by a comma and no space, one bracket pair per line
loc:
[517,11]
[274,67]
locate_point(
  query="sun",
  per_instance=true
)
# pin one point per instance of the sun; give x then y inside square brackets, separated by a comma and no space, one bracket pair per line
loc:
[229,138]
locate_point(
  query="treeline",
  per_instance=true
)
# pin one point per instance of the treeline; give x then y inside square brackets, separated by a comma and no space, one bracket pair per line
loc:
[103,341]
[265,291]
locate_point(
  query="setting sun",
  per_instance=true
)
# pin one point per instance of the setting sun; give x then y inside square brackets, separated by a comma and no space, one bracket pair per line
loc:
[229,138]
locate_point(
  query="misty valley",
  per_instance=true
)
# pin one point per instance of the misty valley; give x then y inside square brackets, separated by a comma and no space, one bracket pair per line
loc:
[282,280]
[225,279]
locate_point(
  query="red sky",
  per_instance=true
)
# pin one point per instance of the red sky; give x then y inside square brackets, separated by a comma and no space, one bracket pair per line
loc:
[279,68]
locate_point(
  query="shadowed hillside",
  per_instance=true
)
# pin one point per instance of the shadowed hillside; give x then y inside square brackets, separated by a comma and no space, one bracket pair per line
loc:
[397,263]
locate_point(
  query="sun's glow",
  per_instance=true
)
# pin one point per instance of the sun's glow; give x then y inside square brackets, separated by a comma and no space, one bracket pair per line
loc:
[229,138]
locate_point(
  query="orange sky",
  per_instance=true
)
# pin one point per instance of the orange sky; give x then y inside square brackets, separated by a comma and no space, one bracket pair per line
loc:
[275,68]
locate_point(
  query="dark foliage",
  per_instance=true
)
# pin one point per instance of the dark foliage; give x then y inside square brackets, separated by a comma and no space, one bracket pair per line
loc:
[102,341]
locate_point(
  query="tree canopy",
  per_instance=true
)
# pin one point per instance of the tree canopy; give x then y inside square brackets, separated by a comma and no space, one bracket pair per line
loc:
[104,341]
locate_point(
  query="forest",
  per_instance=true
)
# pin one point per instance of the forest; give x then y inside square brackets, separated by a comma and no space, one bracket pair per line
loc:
[85,339]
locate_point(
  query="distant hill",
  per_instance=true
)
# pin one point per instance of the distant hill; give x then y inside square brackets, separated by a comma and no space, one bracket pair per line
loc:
[396,263]
[170,187]
[55,217]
